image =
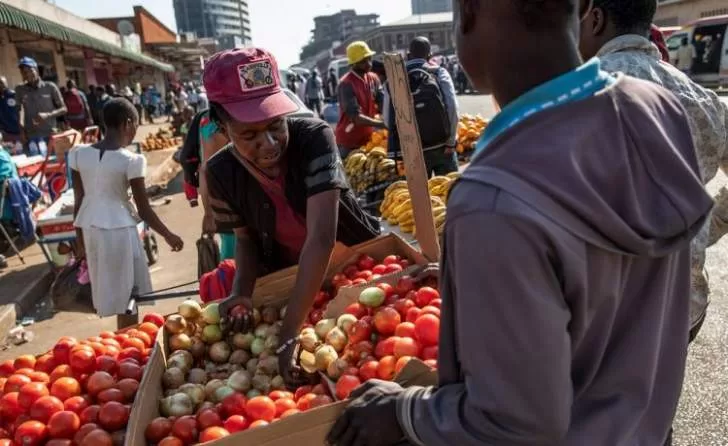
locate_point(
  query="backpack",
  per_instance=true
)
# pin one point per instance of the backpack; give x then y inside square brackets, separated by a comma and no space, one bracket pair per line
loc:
[74,103]
[431,114]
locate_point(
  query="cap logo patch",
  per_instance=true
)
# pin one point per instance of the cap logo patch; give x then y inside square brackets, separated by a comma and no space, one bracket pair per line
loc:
[256,75]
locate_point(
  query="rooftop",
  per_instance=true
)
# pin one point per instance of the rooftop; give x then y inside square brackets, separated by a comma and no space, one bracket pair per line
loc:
[419,19]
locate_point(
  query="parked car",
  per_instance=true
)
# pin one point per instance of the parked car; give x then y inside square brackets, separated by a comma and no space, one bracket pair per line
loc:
[708,35]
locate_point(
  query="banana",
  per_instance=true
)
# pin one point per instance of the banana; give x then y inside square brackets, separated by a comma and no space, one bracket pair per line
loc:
[392,220]
[440,219]
[453,175]
[402,207]
[401,184]
[436,212]
[407,229]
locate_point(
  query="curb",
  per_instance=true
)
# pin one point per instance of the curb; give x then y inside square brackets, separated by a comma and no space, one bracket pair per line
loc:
[24,302]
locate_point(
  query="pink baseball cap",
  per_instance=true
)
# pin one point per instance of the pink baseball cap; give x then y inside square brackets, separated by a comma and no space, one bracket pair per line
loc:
[247,83]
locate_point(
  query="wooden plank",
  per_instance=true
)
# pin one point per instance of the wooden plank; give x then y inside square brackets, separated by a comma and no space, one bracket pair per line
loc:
[414,162]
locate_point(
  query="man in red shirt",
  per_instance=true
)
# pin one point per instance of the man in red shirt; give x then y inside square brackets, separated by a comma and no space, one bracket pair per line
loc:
[359,92]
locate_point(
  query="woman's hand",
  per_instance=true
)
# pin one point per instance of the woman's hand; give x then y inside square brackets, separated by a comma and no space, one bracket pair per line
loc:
[292,373]
[175,242]
[232,318]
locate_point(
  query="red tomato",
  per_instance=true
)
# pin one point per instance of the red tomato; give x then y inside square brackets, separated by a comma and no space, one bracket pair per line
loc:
[316,315]
[150,329]
[289,412]
[278,394]
[301,391]
[356,309]
[44,407]
[106,364]
[58,442]
[320,400]
[16,382]
[62,350]
[158,429]
[427,330]
[131,371]
[134,342]
[401,362]
[405,285]
[98,382]
[359,281]
[361,350]
[284,404]
[83,431]
[429,352]
[131,352]
[353,371]
[437,303]
[412,314]
[31,433]
[406,347]
[386,320]
[76,404]
[155,318]
[402,305]
[393,268]
[321,299]
[113,416]
[404,263]
[365,262]
[6,368]
[64,424]
[90,414]
[236,423]
[61,371]
[385,370]
[405,330]
[368,370]
[304,403]
[110,342]
[39,377]
[97,437]
[261,408]
[258,423]
[109,395]
[379,269]
[425,295]
[129,388]
[2,384]
[106,334]
[391,259]
[65,388]
[45,363]
[25,371]
[319,389]
[31,392]
[185,428]
[208,418]
[170,441]
[385,347]
[83,360]
[345,385]
[365,275]
[213,433]
[98,348]
[10,408]
[359,331]
[350,272]
[234,404]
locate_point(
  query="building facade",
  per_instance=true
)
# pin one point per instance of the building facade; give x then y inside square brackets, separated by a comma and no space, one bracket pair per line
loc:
[681,12]
[431,6]
[396,36]
[338,27]
[214,18]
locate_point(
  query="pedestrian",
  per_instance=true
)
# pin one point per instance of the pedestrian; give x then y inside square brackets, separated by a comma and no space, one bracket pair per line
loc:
[332,83]
[194,99]
[686,55]
[280,187]
[359,92]
[150,107]
[105,220]
[182,99]
[91,100]
[102,97]
[79,113]
[658,39]
[436,110]
[566,260]
[41,104]
[9,119]
[291,82]
[170,104]
[136,99]
[626,49]
[203,103]
[315,92]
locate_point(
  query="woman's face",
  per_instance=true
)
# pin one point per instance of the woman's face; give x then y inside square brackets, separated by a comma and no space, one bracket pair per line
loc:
[262,144]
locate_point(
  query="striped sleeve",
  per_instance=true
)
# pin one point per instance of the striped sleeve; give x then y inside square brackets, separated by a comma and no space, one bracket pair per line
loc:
[226,217]
[324,170]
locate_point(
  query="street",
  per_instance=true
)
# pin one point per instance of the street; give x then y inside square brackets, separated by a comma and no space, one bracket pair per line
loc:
[703,413]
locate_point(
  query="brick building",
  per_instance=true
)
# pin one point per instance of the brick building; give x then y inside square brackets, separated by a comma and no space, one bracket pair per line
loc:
[681,12]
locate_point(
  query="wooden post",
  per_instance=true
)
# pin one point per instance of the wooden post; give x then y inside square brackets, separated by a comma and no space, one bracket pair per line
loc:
[414,162]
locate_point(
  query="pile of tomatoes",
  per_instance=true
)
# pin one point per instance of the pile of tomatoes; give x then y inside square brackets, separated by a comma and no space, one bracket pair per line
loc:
[234,414]
[79,393]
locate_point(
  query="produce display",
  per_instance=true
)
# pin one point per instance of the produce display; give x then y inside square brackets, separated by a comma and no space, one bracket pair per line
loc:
[378,139]
[163,139]
[366,169]
[469,130]
[80,393]
[396,207]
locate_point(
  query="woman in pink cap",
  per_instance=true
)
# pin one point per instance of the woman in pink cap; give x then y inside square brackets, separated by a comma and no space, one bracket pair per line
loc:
[279,186]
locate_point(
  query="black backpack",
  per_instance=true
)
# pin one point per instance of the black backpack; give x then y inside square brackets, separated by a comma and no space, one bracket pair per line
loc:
[431,114]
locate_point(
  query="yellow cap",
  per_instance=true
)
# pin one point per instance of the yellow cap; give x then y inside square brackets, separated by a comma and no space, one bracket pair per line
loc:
[358,51]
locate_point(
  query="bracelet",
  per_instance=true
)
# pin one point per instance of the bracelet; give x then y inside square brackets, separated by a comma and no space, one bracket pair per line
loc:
[283,347]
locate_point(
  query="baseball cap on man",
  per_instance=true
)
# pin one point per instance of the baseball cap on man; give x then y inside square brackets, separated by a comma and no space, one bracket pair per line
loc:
[358,51]
[27,62]
[246,82]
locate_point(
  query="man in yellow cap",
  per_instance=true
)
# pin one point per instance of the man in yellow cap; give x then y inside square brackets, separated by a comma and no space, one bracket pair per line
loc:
[359,92]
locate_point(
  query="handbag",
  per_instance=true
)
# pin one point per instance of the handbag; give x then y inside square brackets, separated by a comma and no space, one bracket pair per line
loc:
[208,254]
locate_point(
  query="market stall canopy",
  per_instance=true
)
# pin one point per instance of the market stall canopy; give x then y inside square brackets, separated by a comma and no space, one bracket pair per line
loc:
[22,20]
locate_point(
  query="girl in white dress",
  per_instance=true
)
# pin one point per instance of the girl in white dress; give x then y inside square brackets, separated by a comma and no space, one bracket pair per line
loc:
[106,220]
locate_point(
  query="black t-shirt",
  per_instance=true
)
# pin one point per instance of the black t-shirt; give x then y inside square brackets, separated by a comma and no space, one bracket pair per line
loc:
[314,166]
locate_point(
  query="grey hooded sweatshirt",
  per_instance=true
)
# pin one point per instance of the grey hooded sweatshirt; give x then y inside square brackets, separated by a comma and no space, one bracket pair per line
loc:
[566,280]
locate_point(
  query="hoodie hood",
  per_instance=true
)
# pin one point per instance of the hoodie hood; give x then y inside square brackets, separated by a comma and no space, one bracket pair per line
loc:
[617,169]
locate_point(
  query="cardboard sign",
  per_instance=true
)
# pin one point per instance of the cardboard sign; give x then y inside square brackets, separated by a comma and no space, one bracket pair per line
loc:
[414,162]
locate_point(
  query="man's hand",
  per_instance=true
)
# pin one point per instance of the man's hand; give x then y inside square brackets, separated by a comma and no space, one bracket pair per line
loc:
[234,320]
[41,117]
[429,271]
[370,418]
[293,375]
[208,224]
[175,242]
[449,150]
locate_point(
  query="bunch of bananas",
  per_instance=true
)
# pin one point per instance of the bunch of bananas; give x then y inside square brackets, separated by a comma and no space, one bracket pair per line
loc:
[439,186]
[396,207]
[378,139]
[367,169]
[469,130]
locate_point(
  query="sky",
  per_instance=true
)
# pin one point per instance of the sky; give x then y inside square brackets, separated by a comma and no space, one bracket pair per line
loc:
[283,35]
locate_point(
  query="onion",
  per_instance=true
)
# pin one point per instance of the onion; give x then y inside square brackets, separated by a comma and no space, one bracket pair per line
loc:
[210,367]
[211,314]
[190,309]
[252,366]
[211,334]
[219,352]
[271,343]
[223,392]
[239,357]
[239,381]
[268,366]
[337,339]
[173,378]
[282,313]
[198,348]
[197,376]
[269,315]
[243,340]
[336,368]
[262,382]
[256,317]
[211,387]
[265,354]
[324,326]
[175,324]
[261,330]
[180,341]
[196,392]
[252,393]
[177,405]
[345,321]
[277,383]
[274,330]
[257,347]
[308,339]
[325,355]
[181,359]
[308,361]
[191,329]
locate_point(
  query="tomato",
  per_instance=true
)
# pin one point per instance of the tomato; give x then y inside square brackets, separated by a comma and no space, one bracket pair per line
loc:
[155,318]
[304,403]
[90,414]
[131,352]
[6,442]
[356,309]
[136,342]
[129,388]
[385,369]
[208,418]
[391,259]
[386,320]
[31,392]
[427,330]
[10,408]
[170,441]
[159,428]
[2,384]
[289,412]
[429,352]
[368,370]
[258,423]
[321,400]
[109,395]
[106,334]
[321,299]
[319,389]
[278,394]
[412,314]
[106,364]
[44,407]
[404,285]
[350,272]
[404,263]
[284,404]
[62,350]
[131,371]
[301,391]
[213,433]
[150,329]
[385,347]
[425,295]
[6,368]
[99,382]
[365,262]
[234,404]
[261,408]
[31,433]
[113,416]
[61,371]
[393,268]
[359,281]
[437,303]
[59,442]
[76,404]
[97,437]
[352,371]
[45,363]
[406,347]
[63,424]
[185,428]
[83,360]
[65,388]
[360,330]
[430,310]
[16,382]
[316,315]
[83,431]
[345,385]
[365,274]
[26,371]
[39,377]
[401,362]
[405,330]
[236,423]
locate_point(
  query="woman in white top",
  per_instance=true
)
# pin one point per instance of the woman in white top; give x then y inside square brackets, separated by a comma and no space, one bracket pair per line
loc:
[105,218]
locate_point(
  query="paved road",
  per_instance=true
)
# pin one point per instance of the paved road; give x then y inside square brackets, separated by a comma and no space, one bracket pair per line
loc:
[703,414]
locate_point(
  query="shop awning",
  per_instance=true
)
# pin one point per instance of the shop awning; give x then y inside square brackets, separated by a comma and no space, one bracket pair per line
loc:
[16,18]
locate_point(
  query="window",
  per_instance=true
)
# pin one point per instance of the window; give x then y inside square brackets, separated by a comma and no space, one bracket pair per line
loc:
[674,42]
[714,12]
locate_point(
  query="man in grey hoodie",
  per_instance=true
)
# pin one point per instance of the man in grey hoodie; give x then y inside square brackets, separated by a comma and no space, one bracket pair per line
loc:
[566,254]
